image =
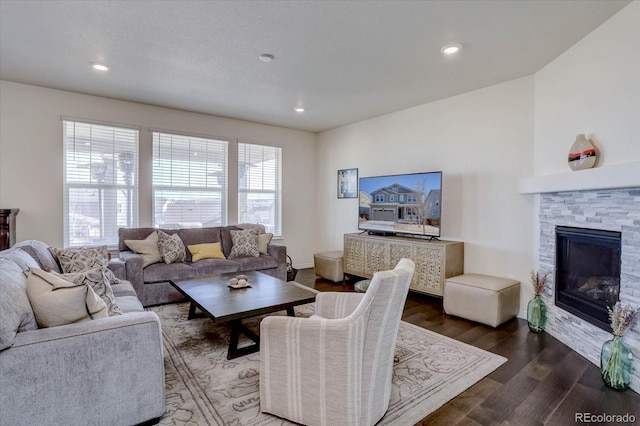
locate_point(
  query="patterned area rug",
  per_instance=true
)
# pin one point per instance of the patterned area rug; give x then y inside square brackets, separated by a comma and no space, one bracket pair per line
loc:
[204,388]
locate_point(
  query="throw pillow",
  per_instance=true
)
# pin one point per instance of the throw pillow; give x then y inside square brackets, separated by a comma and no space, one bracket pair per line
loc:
[98,281]
[206,251]
[245,243]
[81,259]
[16,314]
[147,249]
[56,301]
[263,242]
[171,248]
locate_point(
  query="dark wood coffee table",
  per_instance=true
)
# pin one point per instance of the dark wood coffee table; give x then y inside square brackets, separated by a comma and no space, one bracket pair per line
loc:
[221,303]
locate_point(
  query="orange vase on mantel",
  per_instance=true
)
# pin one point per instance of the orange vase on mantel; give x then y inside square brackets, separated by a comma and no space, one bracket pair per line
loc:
[582,154]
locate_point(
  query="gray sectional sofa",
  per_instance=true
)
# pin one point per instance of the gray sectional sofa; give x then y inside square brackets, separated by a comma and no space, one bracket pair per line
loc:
[151,283]
[104,371]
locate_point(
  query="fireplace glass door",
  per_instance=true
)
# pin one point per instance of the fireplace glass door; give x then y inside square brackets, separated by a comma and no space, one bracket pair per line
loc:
[587,273]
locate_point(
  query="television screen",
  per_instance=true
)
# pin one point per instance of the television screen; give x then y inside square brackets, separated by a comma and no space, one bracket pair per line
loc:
[408,204]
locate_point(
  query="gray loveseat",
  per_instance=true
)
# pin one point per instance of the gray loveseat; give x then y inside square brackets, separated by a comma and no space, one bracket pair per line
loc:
[104,371]
[151,283]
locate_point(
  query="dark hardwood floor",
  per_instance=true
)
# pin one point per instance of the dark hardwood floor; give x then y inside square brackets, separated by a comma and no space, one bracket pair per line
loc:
[544,382]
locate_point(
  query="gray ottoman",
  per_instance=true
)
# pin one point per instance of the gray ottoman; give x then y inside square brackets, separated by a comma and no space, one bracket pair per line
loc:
[482,298]
[328,265]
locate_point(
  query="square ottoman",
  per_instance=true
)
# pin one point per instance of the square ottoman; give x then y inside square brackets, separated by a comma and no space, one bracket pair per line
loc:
[329,265]
[482,298]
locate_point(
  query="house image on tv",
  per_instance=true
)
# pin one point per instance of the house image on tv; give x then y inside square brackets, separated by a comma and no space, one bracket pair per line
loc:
[397,203]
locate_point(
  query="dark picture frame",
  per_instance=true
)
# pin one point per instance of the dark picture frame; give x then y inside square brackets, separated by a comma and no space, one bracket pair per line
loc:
[348,183]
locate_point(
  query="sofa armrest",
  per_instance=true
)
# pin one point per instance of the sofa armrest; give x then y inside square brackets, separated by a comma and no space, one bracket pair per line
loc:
[133,270]
[118,268]
[106,371]
[280,253]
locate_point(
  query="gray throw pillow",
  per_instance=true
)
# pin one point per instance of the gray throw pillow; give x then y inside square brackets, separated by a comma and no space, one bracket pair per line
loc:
[245,243]
[171,248]
[95,278]
[80,259]
[16,314]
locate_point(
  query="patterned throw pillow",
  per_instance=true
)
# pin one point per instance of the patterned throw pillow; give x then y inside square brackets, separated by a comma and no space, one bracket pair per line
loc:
[245,243]
[81,259]
[171,248]
[95,278]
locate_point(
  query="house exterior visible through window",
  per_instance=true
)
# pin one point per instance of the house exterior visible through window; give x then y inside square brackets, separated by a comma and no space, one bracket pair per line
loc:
[100,182]
[189,181]
[379,198]
[260,186]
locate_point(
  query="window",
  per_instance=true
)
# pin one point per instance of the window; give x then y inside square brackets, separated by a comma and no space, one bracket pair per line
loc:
[412,199]
[260,186]
[379,198]
[189,181]
[100,182]
[392,198]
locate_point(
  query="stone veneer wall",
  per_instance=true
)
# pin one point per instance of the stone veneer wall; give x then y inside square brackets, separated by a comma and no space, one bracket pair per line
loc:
[611,210]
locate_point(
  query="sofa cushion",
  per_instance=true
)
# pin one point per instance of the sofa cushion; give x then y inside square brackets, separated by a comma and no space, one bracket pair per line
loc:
[215,266]
[206,251]
[171,247]
[129,304]
[225,238]
[123,288]
[56,301]
[21,258]
[193,236]
[147,249]
[81,259]
[245,243]
[16,314]
[96,278]
[256,263]
[160,272]
[40,252]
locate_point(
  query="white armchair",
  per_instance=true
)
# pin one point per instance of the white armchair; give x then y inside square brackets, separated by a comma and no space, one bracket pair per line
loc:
[335,367]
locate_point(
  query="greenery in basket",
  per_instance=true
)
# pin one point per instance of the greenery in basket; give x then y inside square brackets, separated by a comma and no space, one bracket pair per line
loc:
[539,281]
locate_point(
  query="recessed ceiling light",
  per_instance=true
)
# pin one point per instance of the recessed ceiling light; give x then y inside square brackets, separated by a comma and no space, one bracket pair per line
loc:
[266,57]
[298,109]
[99,67]
[451,49]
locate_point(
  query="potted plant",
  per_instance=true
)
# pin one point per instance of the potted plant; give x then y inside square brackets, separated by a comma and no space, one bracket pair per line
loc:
[616,359]
[537,309]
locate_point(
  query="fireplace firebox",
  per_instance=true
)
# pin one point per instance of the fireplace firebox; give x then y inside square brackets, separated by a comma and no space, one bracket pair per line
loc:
[587,273]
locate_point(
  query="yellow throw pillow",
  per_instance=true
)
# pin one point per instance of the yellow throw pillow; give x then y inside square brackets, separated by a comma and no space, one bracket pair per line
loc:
[206,251]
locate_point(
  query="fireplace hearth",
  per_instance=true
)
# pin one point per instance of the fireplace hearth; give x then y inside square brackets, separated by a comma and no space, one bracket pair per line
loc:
[587,273]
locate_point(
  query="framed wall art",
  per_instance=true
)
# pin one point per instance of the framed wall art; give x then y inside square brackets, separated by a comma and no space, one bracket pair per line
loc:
[348,183]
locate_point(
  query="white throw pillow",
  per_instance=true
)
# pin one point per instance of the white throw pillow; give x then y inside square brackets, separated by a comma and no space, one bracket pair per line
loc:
[147,249]
[263,242]
[56,301]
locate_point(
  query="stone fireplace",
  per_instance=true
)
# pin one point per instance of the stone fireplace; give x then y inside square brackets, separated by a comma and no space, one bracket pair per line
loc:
[608,212]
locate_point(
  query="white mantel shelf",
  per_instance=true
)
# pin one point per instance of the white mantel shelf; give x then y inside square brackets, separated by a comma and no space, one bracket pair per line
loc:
[626,175]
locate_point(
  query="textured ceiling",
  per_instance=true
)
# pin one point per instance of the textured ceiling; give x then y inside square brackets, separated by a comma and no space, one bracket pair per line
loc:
[343,61]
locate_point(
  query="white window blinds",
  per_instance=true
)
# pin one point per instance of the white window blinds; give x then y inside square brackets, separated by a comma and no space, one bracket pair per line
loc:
[260,186]
[100,182]
[189,181]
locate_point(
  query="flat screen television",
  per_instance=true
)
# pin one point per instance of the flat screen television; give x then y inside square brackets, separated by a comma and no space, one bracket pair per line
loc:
[401,204]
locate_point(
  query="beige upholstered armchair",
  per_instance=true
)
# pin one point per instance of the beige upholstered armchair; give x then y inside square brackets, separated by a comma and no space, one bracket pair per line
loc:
[335,367]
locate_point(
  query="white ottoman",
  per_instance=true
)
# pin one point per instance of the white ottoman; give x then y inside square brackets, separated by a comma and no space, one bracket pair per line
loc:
[482,298]
[329,265]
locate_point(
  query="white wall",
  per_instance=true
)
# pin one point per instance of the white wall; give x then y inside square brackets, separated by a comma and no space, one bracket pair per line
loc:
[31,155]
[592,88]
[483,143]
